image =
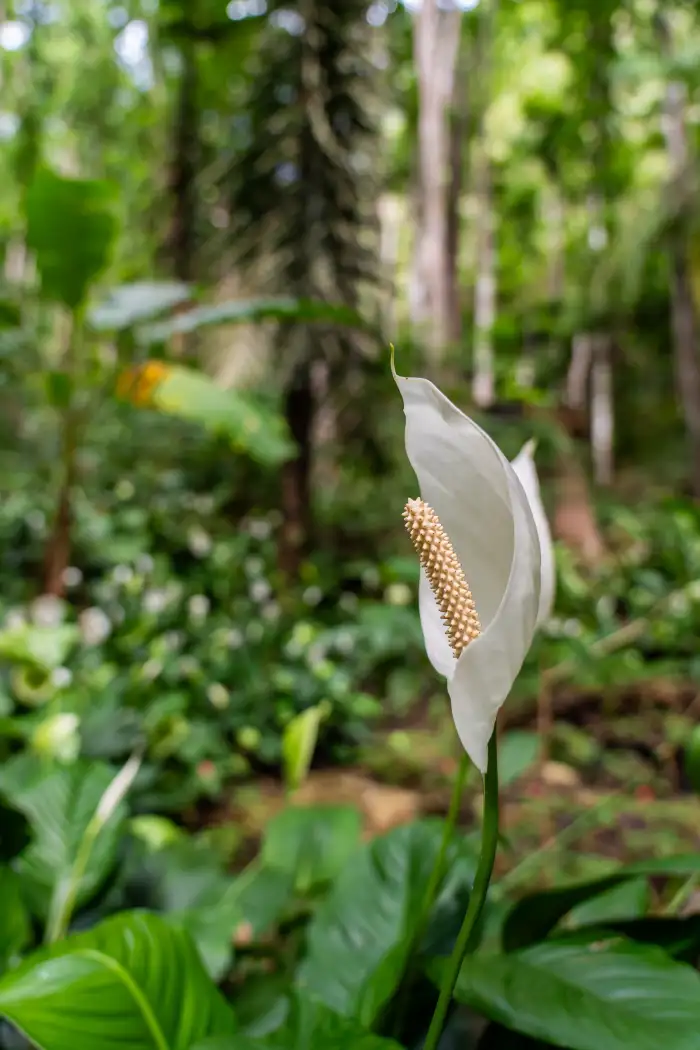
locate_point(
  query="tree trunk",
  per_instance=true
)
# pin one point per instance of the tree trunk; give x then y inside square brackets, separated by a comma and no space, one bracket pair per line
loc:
[182,234]
[300,414]
[483,382]
[602,411]
[436,43]
[684,312]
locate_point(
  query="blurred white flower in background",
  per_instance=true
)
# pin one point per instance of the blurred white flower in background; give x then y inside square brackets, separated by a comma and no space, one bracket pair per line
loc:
[218,696]
[124,490]
[145,564]
[36,520]
[271,612]
[259,528]
[199,542]
[188,667]
[234,638]
[47,611]
[260,590]
[398,594]
[15,619]
[253,566]
[72,576]
[122,574]
[348,602]
[151,670]
[198,607]
[95,625]
[312,595]
[61,677]
[155,601]
[58,737]
[344,642]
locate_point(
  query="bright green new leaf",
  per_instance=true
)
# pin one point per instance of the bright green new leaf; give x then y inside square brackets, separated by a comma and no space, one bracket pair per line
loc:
[312,843]
[133,981]
[299,743]
[251,427]
[71,226]
[603,996]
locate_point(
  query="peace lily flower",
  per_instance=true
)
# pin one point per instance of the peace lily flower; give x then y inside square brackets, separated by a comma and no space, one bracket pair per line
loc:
[487,568]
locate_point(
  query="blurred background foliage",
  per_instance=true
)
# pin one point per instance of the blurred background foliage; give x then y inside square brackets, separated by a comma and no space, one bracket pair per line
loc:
[213,220]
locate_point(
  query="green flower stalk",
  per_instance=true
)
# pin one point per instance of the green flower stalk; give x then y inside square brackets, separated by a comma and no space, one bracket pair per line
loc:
[458,612]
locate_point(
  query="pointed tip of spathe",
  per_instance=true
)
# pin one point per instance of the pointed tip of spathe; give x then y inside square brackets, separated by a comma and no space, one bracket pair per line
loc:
[529,448]
[392,352]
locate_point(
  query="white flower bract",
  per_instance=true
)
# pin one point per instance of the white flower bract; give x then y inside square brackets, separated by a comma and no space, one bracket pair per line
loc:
[492,512]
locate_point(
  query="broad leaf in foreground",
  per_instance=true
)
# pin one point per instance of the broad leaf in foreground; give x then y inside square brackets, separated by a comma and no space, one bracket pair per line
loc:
[310,1026]
[60,802]
[605,996]
[15,925]
[312,843]
[132,982]
[359,939]
[536,914]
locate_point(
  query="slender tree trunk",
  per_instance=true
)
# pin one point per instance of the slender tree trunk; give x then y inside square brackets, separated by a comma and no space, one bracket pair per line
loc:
[300,414]
[684,310]
[602,411]
[182,235]
[484,382]
[436,42]
[460,137]
[58,547]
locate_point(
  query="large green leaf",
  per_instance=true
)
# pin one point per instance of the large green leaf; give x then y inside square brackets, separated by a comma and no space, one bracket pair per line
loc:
[132,982]
[299,743]
[679,937]
[603,996]
[250,311]
[71,225]
[536,914]
[190,885]
[60,803]
[15,926]
[251,427]
[250,905]
[130,304]
[310,1026]
[312,843]
[357,942]
[627,900]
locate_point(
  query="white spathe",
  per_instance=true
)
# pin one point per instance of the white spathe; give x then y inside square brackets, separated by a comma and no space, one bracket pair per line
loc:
[493,514]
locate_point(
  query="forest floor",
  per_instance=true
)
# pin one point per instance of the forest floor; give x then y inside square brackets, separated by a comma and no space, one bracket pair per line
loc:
[611,791]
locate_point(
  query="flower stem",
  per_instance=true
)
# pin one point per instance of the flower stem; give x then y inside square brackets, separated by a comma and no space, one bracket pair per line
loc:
[489,845]
[436,877]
